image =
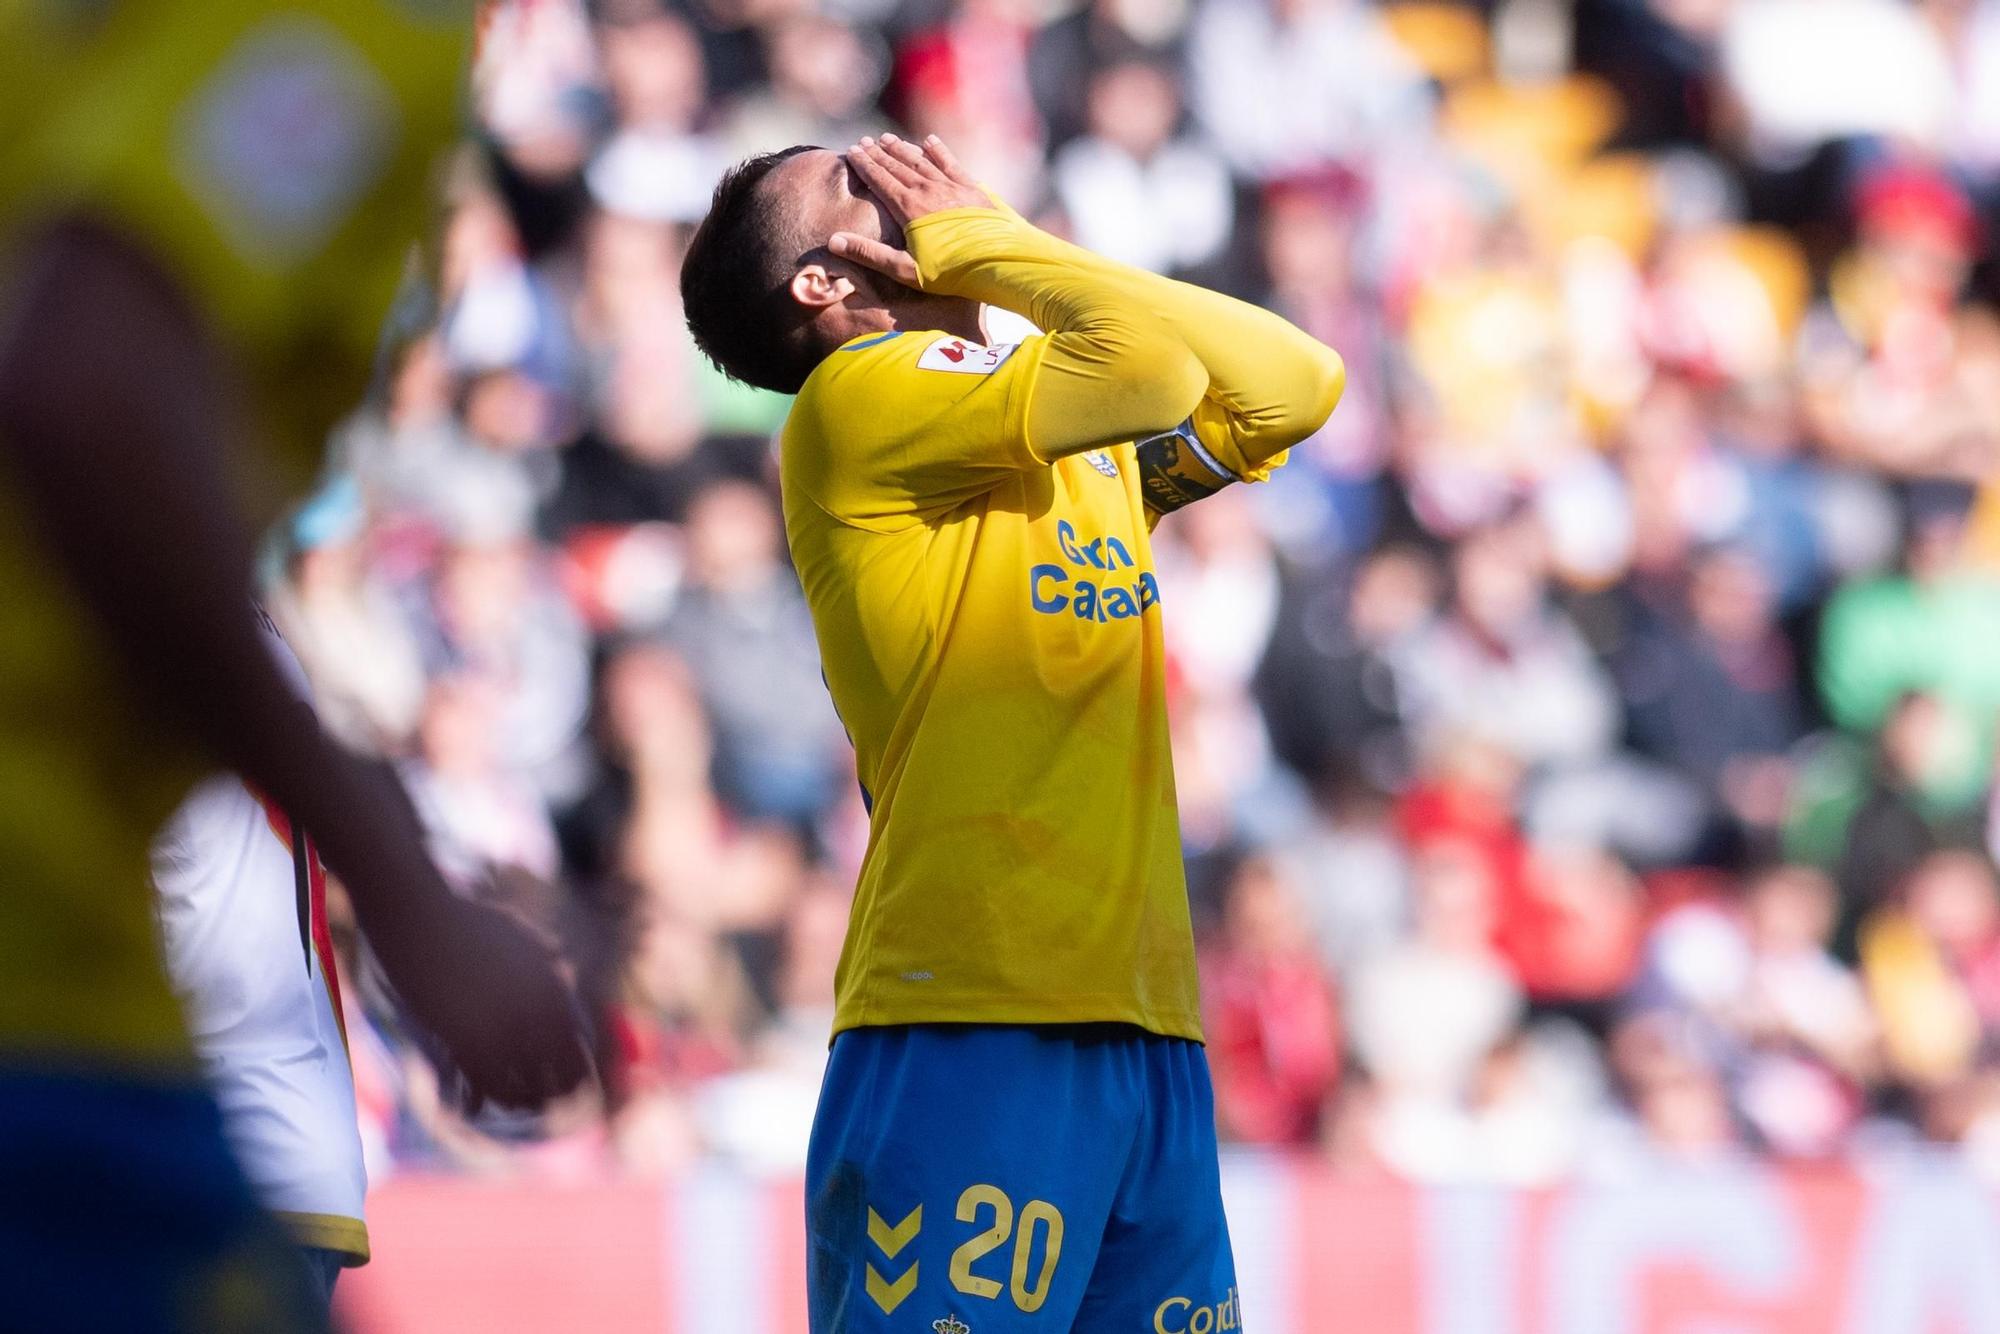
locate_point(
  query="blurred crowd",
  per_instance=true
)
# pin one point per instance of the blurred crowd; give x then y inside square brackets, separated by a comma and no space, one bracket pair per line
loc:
[1585,746]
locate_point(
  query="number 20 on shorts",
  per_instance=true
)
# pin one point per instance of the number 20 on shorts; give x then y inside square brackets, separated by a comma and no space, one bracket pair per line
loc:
[1040,1225]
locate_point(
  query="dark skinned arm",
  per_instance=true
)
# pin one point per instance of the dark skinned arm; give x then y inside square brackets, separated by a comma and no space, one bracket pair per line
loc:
[115,404]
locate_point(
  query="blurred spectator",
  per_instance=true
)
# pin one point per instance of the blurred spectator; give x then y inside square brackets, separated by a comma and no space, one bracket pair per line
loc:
[1815,71]
[1932,964]
[533,81]
[1927,629]
[1429,1015]
[659,163]
[1711,689]
[1486,340]
[1328,681]
[1273,1033]
[494,608]
[1132,189]
[1221,563]
[1898,372]
[1282,85]
[682,1021]
[1783,528]
[1805,1016]
[501,318]
[650,816]
[824,77]
[761,1116]
[479,812]
[1678,1108]
[1503,663]
[1970,30]
[1426,1013]
[327,604]
[1097,33]
[1351,873]
[644,365]
[966,79]
[1572,932]
[742,627]
[1327,502]
[1767,1004]
[1905,808]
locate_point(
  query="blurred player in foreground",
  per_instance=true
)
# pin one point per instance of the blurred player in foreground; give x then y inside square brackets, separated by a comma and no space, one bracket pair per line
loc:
[202,219]
[1016,1130]
[242,906]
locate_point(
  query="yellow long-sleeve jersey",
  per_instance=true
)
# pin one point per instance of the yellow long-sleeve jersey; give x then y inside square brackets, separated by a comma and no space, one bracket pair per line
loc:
[276,160]
[972,526]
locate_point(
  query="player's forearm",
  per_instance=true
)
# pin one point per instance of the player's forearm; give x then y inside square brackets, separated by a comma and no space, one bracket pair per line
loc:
[1110,370]
[1269,383]
[1273,383]
[110,413]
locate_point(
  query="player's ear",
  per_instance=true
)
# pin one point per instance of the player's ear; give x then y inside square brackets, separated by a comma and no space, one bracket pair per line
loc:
[816,287]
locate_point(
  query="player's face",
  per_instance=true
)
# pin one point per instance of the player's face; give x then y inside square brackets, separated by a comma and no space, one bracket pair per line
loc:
[833,199]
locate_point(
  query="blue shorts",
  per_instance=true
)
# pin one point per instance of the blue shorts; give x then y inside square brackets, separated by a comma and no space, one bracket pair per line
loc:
[1058,1180]
[122,1209]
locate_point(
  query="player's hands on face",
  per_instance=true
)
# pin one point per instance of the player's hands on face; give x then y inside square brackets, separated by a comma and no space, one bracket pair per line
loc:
[911,181]
[491,991]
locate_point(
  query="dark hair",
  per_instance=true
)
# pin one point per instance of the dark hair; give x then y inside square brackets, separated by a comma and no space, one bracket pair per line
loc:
[736,281]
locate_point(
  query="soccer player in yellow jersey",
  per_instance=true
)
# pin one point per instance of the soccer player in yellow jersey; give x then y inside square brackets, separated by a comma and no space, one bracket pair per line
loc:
[1016,1131]
[204,211]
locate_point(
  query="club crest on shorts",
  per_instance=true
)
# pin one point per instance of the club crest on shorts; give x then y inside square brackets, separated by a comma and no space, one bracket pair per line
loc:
[951,1324]
[1101,461]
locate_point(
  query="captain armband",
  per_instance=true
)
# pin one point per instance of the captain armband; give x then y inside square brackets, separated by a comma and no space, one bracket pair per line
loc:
[1175,471]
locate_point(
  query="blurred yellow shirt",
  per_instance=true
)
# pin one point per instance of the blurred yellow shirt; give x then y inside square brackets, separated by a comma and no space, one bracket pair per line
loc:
[990,628]
[277,160]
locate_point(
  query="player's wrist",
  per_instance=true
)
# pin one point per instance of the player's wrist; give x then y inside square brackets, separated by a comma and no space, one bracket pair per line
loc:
[952,243]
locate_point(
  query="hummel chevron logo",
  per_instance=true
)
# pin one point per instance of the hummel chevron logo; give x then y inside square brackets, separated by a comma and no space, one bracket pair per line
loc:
[890,1240]
[884,1292]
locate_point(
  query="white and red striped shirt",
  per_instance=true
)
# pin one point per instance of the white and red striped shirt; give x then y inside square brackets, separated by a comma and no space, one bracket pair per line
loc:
[242,909]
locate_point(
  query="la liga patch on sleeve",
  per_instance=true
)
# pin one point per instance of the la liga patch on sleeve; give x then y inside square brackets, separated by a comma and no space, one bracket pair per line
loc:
[963,356]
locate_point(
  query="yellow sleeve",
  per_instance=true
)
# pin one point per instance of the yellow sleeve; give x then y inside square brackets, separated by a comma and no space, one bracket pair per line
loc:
[1269,384]
[895,426]
[1109,370]
[899,425]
